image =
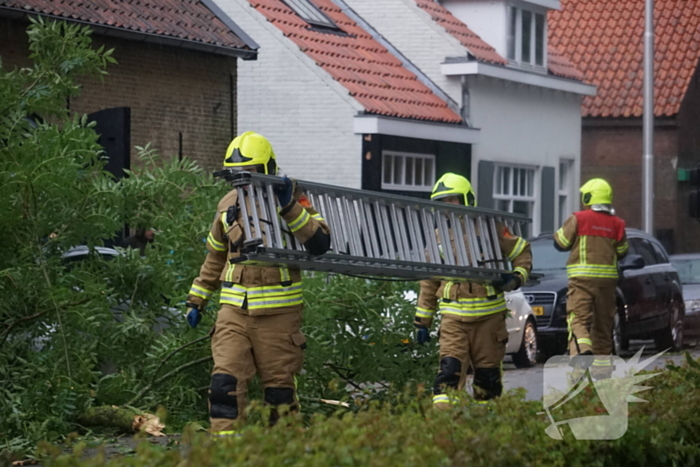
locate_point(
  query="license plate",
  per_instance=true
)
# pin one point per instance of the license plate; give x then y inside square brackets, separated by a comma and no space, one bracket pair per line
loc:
[538,310]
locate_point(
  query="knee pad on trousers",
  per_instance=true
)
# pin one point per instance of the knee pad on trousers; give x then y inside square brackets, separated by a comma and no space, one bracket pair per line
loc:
[448,376]
[487,383]
[222,403]
[278,396]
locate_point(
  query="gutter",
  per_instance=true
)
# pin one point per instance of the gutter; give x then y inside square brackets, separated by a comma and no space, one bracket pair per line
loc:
[138,36]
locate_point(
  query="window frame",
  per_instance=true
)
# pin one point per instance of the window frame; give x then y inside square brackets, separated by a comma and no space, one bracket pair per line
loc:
[659,249]
[424,188]
[534,199]
[637,241]
[323,22]
[514,39]
[567,191]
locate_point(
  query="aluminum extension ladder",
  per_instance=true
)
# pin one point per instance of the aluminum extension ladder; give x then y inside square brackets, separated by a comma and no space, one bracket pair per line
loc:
[374,234]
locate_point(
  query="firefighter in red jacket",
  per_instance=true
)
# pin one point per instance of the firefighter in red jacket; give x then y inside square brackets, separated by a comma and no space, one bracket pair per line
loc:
[258,326]
[473,329]
[596,239]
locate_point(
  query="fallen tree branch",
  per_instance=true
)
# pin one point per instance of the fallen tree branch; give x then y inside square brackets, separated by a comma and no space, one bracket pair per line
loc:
[177,370]
[344,377]
[169,356]
[6,332]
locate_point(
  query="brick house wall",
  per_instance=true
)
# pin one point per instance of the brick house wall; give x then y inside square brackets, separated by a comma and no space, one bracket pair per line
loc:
[169,90]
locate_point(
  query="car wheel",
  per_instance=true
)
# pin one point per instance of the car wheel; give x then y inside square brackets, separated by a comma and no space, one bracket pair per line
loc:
[671,337]
[527,355]
[621,341]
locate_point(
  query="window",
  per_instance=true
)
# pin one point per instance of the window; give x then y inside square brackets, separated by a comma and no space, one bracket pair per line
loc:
[564,192]
[527,37]
[661,256]
[310,13]
[407,171]
[514,190]
[644,249]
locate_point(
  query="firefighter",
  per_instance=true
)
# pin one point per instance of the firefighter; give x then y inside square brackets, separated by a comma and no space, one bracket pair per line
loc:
[473,331]
[596,239]
[258,325]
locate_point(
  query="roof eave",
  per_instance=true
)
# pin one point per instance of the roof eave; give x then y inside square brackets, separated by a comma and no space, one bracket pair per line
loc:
[138,36]
[369,123]
[463,68]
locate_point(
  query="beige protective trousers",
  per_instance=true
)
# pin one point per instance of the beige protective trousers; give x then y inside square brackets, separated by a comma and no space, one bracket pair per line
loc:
[480,344]
[591,308]
[243,345]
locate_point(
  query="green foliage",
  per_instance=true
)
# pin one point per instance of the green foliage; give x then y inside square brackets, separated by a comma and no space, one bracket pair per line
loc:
[100,332]
[408,432]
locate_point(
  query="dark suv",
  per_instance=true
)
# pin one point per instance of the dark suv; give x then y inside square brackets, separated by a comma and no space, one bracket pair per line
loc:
[649,296]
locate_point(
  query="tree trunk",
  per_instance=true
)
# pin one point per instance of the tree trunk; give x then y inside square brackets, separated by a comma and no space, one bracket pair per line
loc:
[110,416]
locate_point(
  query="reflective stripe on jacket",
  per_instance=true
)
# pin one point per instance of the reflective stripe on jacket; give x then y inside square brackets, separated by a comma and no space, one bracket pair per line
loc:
[596,240]
[256,290]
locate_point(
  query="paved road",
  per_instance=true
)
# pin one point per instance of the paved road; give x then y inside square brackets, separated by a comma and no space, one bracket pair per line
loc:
[531,378]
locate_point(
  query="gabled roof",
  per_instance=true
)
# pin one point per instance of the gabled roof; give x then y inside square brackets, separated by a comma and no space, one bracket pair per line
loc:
[605,39]
[558,64]
[188,22]
[374,77]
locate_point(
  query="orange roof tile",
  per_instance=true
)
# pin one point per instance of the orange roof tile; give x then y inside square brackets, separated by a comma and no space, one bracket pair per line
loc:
[373,76]
[473,43]
[605,39]
[188,20]
[558,64]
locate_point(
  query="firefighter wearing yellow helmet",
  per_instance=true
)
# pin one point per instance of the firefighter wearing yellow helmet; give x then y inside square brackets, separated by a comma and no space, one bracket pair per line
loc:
[473,330]
[596,240]
[258,325]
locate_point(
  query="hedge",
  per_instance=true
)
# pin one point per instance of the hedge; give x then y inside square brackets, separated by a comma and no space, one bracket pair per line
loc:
[407,432]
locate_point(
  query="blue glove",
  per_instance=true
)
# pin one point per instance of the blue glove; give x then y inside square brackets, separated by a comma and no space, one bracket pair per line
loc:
[193,317]
[284,192]
[509,282]
[422,335]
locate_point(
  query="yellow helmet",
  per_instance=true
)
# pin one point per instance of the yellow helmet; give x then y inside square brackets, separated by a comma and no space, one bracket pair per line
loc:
[452,184]
[596,191]
[250,149]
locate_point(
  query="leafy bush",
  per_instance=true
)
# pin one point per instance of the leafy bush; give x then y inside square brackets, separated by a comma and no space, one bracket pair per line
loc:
[664,431]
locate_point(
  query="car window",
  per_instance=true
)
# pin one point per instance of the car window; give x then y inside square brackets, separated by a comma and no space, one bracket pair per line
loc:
[688,269]
[545,257]
[645,250]
[661,255]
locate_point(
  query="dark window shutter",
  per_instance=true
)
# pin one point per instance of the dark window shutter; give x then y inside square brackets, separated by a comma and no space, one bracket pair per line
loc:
[548,199]
[485,195]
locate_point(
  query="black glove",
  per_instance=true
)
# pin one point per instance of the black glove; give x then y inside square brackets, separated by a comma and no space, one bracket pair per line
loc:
[422,335]
[285,192]
[509,282]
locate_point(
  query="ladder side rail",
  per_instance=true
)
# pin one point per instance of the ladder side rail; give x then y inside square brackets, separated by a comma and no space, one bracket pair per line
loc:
[459,240]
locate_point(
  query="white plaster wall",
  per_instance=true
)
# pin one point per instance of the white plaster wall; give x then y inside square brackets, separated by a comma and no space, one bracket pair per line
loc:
[525,125]
[286,97]
[413,32]
[487,18]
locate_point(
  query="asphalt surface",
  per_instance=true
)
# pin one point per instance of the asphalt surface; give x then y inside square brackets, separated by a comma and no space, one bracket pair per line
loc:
[532,378]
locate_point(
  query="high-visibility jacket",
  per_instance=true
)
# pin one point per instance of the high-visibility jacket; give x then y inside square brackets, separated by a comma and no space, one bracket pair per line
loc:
[596,240]
[256,290]
[472,302]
